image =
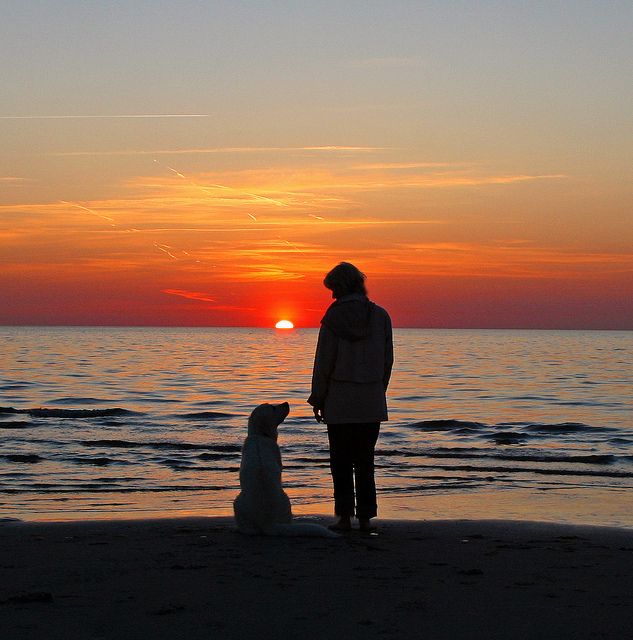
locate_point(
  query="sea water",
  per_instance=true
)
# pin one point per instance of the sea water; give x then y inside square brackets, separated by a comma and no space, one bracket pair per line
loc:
[136,422]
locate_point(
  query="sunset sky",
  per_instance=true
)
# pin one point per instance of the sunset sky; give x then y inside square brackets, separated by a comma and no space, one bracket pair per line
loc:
[206,163]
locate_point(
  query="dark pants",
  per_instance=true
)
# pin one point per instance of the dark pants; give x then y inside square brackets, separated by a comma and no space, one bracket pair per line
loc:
[352,458]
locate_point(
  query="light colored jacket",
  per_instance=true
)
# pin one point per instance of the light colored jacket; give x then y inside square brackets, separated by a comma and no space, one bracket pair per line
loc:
[353,362]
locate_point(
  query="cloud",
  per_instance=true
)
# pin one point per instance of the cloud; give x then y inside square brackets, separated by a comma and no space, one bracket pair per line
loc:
[388,166]
[280,196]
[190,295]
[90,117]
[319,189]
[340,148]
[12,180]
[266,274]
[215,150]
[508,259]
[194,226]
[448,180]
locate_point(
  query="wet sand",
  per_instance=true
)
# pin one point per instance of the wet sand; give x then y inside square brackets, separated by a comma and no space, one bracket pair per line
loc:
[198,578]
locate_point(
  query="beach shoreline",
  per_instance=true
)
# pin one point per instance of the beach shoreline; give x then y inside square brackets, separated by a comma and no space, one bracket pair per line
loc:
[198,577]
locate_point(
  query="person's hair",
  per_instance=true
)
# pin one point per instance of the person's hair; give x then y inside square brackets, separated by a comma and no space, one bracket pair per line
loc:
[344,279]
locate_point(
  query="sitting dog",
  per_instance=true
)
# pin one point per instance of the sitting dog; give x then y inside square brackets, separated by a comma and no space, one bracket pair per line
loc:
[262,507]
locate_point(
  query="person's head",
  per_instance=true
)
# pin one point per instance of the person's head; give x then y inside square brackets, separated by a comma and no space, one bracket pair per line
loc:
[345,279]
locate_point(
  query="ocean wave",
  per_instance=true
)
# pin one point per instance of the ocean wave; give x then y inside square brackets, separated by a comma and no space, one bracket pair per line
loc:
[76,400]
[68,413]
[507,437]
[101,488]
[15,386]
[177,464]
[205,415]
[442,486]
[596,459]
[467,453]
[184,446]
[96,461]
[582,403]
[446,425]
[563,427]
[520,431]
[217,456]
[15,424]
[29,458]
[536,470]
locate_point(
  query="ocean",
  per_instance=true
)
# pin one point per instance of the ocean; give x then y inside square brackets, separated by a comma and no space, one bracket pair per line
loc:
[144,422]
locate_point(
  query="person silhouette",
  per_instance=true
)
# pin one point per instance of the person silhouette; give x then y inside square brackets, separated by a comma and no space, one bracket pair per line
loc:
[352,369]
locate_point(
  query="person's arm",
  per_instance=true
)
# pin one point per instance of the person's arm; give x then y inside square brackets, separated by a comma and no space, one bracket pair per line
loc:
[324,361]
[388,352]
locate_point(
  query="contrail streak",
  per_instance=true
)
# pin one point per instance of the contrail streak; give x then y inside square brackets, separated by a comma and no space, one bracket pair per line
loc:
[212,150]
[94,213]
[165,248]
[291,244]
[220,186]
[88,117]
[252,195]
[176,172]
[161,247]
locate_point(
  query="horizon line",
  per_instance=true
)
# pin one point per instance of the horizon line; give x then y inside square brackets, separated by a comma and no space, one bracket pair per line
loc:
[240,326]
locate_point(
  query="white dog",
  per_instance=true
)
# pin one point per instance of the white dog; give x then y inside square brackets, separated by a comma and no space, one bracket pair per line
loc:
[262,507]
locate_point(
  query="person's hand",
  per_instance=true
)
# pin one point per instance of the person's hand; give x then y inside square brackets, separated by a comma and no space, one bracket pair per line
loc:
[318,414]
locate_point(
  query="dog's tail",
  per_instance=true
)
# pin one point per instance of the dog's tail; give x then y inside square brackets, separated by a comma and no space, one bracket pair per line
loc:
[301,529]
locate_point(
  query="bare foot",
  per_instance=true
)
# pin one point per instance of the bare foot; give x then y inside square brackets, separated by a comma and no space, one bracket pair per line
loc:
[343,524]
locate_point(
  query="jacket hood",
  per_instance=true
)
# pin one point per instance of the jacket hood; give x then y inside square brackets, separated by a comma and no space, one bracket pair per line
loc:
[349,317]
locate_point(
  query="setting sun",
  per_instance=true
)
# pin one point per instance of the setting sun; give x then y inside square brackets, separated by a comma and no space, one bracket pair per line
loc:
[284,324]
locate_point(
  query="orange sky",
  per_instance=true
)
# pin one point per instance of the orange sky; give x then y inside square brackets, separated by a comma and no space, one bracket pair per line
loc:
[442,244]
[489,188]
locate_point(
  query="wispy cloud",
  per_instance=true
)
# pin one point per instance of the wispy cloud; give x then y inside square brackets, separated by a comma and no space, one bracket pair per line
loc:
[325,194]
[87,210]
[323,188]
[214,150]
[12,180]
[386,166]
[190,295]
[340,148]
[448,180]
[510,259]
[90,117]
[267,274]
[227,224]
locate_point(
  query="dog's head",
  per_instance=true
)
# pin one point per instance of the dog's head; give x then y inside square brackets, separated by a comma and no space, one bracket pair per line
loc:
[266,418]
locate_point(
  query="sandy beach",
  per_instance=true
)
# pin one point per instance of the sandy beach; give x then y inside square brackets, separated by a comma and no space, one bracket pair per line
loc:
[199,578]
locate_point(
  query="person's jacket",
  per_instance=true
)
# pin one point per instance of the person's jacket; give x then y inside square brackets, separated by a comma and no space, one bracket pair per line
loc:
[353,361]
